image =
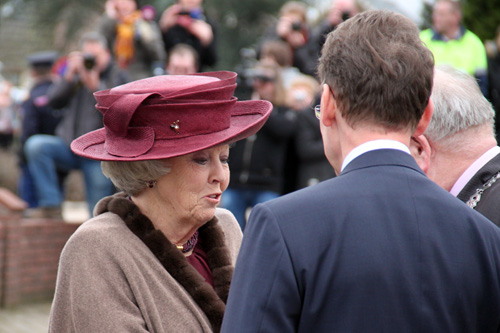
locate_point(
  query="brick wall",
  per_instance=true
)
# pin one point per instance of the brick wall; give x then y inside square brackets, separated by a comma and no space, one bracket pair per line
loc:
[29,254]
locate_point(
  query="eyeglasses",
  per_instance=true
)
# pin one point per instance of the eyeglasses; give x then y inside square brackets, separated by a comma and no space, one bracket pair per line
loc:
[317,108]
[317,111]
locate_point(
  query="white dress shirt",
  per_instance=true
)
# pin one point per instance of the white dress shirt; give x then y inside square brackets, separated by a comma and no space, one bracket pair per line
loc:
[374,145]
[473,169]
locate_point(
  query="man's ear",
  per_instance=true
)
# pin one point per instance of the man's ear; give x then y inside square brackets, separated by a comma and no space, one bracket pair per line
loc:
[328,106]
[421,150]
[425,120]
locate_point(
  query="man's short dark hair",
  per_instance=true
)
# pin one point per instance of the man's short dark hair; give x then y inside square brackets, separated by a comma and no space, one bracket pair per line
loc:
[455,5]
[379,70]
[93,37]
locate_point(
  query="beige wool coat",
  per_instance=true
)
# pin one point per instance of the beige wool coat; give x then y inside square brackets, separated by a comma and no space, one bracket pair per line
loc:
[116,275]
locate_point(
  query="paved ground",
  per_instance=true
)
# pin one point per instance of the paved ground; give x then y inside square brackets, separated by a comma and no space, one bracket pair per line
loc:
[33,318]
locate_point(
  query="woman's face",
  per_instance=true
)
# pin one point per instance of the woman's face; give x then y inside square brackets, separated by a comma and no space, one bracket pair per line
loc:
[192,189]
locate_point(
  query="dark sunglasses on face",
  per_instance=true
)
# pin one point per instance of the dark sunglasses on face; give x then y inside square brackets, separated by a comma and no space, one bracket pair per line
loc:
[264,78]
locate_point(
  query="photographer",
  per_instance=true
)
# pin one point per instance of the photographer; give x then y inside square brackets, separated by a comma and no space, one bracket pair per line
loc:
[340,11]
[87,71]
[292,28]
[186,23]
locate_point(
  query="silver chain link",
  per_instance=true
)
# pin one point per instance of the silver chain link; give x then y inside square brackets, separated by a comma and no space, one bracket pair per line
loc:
[476,197]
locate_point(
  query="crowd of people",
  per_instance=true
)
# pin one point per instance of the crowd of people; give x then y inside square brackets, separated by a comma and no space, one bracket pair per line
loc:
[133,42]
[363,170]
[395,242]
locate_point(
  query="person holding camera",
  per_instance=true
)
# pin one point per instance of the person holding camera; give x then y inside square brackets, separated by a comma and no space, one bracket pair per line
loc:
[185,22]
[292,28]
[340,11]
[86,71]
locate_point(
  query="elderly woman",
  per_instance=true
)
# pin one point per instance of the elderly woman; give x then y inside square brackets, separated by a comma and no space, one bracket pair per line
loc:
[159,256]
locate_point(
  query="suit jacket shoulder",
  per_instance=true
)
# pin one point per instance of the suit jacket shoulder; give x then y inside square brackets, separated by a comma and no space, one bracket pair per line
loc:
[380,242]
[489,204]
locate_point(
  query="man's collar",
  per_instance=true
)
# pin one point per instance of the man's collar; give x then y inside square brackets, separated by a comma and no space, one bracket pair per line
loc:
[473,169]
[436,36]
[373,145]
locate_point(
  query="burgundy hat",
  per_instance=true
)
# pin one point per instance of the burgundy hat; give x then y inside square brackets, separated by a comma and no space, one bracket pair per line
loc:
[170,115]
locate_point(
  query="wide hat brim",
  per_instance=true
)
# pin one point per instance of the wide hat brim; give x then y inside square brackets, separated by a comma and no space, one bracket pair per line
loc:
[246,118]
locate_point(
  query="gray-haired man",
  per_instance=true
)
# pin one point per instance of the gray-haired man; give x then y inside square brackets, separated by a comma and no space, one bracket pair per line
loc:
[458,150]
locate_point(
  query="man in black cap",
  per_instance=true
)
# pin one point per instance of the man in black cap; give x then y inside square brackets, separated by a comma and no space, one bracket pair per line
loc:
[37,116]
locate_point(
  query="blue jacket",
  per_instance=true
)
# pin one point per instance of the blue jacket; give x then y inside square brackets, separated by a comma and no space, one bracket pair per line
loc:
[38,116]
[380,248]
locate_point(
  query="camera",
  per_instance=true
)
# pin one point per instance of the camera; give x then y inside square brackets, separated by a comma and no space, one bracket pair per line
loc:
[184,18]
[88,61]
[345,16]
[194,14]
[185,12]
[296,26]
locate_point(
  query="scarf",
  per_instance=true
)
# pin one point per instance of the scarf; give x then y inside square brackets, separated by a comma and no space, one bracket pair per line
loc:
[124,42]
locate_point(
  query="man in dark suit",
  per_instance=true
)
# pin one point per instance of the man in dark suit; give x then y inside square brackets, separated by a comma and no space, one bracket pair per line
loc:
[459,150]
[379,248]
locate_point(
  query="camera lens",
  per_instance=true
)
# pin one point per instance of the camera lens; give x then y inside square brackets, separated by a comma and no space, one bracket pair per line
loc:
[297,26]
[88,61]
[346,15]
[184,12]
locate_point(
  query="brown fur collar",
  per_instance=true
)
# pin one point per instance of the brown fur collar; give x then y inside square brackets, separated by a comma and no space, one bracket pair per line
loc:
[211,237]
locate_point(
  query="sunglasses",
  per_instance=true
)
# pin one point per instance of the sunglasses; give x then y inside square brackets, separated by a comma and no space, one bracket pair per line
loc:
[264,78]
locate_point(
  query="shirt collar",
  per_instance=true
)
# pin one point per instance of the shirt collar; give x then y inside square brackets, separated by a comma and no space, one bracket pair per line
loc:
[473,169]
[373,145]
[437,36]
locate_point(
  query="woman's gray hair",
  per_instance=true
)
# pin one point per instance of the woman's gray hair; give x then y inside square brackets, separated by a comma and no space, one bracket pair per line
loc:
[458,105]
[132,176]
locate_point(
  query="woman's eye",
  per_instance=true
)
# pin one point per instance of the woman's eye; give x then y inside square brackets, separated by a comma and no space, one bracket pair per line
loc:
[224,160]
[201,161]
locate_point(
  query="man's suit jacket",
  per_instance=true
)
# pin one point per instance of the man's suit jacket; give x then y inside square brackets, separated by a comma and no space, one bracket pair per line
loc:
[380,248]
[489,205]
